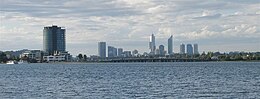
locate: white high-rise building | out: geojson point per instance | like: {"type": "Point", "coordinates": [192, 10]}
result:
{"type": "Point", "coordinates": [170, 45]}
{"type": "Point", "coordinates": [152, 46]}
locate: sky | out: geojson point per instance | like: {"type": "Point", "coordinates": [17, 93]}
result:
{"type": "Point", "coordinates": [215, 25]}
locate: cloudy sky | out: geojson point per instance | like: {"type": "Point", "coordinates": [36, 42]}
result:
{"type": "Point", "coordinates": [216, 25]}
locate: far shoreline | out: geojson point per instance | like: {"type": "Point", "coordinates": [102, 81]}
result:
{"type": "Point", "coordinates": [137, 62]}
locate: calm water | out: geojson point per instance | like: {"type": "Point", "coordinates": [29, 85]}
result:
{"type": "Point", "coordinates": [131, 80]}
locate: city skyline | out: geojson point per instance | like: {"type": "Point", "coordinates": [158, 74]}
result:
{"type": "Point", "coordinates": [215, 25]}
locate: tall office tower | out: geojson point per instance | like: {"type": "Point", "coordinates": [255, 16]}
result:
{"type": "Point", "coordinates": [189, 49]}
{"type": "Point", "coordinates": [120, 52]}
{"type": "Point", "coordinates": [102, 49]}
{"type": "Point", "coordinates": [170, 45]}
{"type": "Point", "coordinates": [152, 46]}
{"type": "Point", "coordinates": [182, 49]}
{"type": "Point", "coordinates": [54, 40]}
{"type": "Point", "coordinates": [161, 50]}
{"type": "Point", "coordinates": [196, 49]}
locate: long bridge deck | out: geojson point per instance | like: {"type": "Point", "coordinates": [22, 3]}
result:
{"type": "Point", "coordinates": [152, 60]}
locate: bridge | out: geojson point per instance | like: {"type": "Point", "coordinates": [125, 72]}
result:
{"type": "Point", "coordinates": [118, 60]}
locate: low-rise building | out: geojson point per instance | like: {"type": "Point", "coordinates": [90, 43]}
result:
{"type": "Point", "coordinates": [32, 55]}
{"type": "Point", "coordinates": [54, 58]}
{"type": "Point", "coordinates": [58, 57]}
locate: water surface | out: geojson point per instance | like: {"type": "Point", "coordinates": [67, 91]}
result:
{"type": "Point", "coordinates": [131, 80]}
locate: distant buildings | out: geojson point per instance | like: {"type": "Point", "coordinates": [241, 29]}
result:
{"type": "Point", "coordinates": [154, 51]}
{"type": "Point", "coordinates": [161, 50]}
{"type": "Point", "coordinates": [170, 45]}
{"type": "Point", "coordinates": [195, 49]}
{"type": "Point", "coordinates": [102, 49]}
{"type": "Point", "coordinates": [182, 49]}
{"type": "Point", "coordinates": [112, 52]}
{"type": "Point", "coordinates": [135, 52]}
{"type": "Point", "coordinates": [127, 54]}
{"type": "Point", "coordinates": [152, 46]}
{"type": "Point", "coordinates": [54, 40]}
{"type": "Point", "coordinates": [189, 49]}
{"type": "Point", "coordinates": [32, 55]}
{"type": "Point", "coordinates": [120, 52]}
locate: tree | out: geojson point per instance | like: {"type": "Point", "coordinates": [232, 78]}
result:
{"type": "Point", "coordinates": [3, 58]}
{"type": "Point", "coordinates": [238, 58]}
{"type": "Point", "coordinates": [80, 56]}
{"type": "Point", "coordinates": [25, 58]}
{"type": "Point", "coordinates": [227, 58]}
{"type": "Point", "coordinates": [85, 57]}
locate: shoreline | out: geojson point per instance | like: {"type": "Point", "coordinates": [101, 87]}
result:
{"type": "Point", "coordinates": [137, 62]}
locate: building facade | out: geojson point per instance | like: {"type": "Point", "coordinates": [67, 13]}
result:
{"type": "Point", "coordinates": [161, 50]}
{"type": "Point", "coordinates": [189, 49]}
{"type": "Point", "coordinates": [54, 40]}
{"type": "Point", "coordinates": [102, 49]}
{"type": "Point", "coordinates": [196, 49]}
{"type": "Point", "coordinates": [182, 49]}
{"type": "Point", "coordinates": [120, 52]}
{"type": "Point", "coordinates": [152, 45]}
{"type": "Point", "coordinates": [112, 52]}
{"type": "Point", "coordinates": [127, 54]}
{"type": "Point", "coordinates": [32, 55]}
{"type": "Point", "coordinates": [170, 45]}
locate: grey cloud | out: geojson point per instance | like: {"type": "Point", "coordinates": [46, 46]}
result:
{"type": "Point", "coordinates": [242, 1]}
{"type": "Point", "coordinates": [209, 17]}
{"type": "Point", "coordinates": [133, 20]}
{"type": "Point", "coordinates": [84, 8]}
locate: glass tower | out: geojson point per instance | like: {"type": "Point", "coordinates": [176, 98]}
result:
{"type": "Point", "coordinates": [189, 49]}
{"type": "Point", "coordinates": [54, 40]}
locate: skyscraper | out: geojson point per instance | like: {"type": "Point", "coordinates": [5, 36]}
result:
{"type": "Point", "coordinates": [102, 49]}
{"type": "Point", "coordinates": [54, 40]}
{"type": "Point", "coordinates": [170, 45]}
{"type": "Point", "coordinates": [196, 49]}
{"type": "Point", "coordinates": [189, 49]}
{"type": "Point", "coordinates": [182, 49]}
{"type": "Point", "coordinates": [152, 46]}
